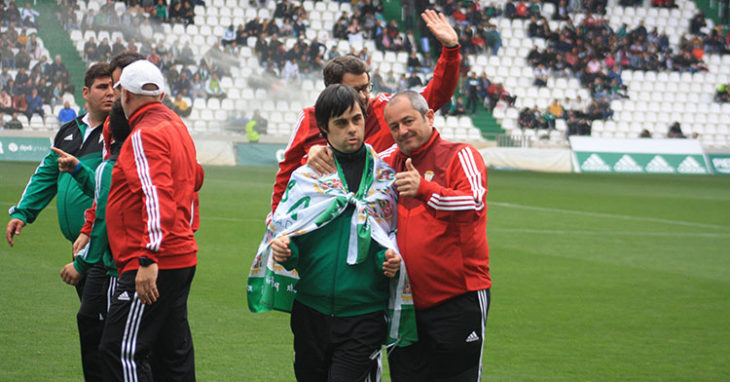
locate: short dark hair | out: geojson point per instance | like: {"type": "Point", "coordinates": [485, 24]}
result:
{"type": "Point", "coordinates": [118, 122]}
{"type": "Point", "coordinates": [123, 59]}
{"type": "Point", "coordinates": [98, 70]}
{"type": "Point", "coordinates": [337, 67]}
{"type": "Point", "coordinates": [333, 101]}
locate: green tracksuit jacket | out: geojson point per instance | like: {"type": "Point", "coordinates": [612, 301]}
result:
{"type": "Point", "coordinates": [98, 249]}
{"type": "Point", "coordinates": [74, 196]}
{"type": "Point", "coordinates": [326, 282]}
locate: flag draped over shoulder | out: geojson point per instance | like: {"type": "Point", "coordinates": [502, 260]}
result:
{"type": "Point", "coordinates": [312, 201]}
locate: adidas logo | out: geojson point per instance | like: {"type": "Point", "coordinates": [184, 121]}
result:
{"type": "Point", "coordinates": [659, 165]}
{"type": "Point", "coordinates": [627, 164]}
{"type": "Point", "coordinates": [124, 296]}
{"type": "Point", "coordinates": [69, 137]}
{"type": "Point", "coordinates": [691, 166]}
{"type": "Point", "coordinates": [595, 163]}
{"type": "Point", "coordinates": [472, 337]}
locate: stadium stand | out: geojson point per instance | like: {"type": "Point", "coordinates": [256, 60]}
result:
{"type": "Point", "coordinates": [254, 49]}
{"type": "Point", "coordinates": [31, 85]}
{"type": "Point", "coordinates": [668, 96]}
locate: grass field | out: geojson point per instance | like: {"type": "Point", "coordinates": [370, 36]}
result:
{"type": "Point", "coordinates": [596, 278]}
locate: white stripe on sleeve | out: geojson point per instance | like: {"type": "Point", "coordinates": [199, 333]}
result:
{"type": "Point", "coordinates": [150, 191]}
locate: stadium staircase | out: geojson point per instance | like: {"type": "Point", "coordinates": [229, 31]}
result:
{"type": "Point", "coordinates": [57, 42]}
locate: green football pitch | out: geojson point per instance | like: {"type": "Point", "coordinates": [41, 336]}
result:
{"type": "Point", "coordinates": [596, 278]}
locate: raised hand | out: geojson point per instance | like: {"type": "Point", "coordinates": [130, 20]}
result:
{"type": "Point", "coordinates": [407, 182]}
{"type": "Point", "coordinates": [440, 28]}
{"type": "Point", "coordinates": [66, 162]}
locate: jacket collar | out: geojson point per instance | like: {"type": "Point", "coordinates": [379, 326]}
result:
{"type": "Point", "coordinates": [417, 152]}
{"type": "Point", "coordinates": [137, 115]}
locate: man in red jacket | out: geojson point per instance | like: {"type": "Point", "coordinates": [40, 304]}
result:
{"type": "Point", "coordinates": [352, 71]}
{"type": "Point", "coordinates": [442, 223]}
{"type": "Point", "coordinates": [150, 228]}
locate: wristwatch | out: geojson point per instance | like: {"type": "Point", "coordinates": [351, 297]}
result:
{"type": "Point", "coordinates": [145, 261]}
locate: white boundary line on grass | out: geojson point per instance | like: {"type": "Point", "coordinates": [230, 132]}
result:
{"type": "Point", "coordinates": [604, 215]}
{"type": "Point", "coordinates": [608, 233]}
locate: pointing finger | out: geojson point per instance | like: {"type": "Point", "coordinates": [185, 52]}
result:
{"type": "Point", "coordinates": [60, 152]}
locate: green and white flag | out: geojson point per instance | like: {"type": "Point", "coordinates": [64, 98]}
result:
{"type": "Point", "coordinates": [312, 201]}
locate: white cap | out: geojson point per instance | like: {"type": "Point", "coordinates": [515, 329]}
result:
{"type": "Point", "coordinates": [138, 74]}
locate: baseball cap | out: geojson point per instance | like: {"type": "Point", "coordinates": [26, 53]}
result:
{"type": "Point", "coordinates": [140, 73]}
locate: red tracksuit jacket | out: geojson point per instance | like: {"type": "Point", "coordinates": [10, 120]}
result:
{"type": "Point", "coordinates": [151, 200]}
{"type": "Point", "coordinates": [377, 133]}
{"type": "Point", "coordinates": [442, 232]}
{"type": "Point", "coordinates": [90, 214]}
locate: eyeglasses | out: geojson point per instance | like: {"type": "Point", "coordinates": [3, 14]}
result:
{"type": "Point", "coordinates": [364, 89]}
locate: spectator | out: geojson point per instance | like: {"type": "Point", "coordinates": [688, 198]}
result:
{"type": "Point", "coordinates": [28, 15]}
{"type": "Point", "coordinates": [556, 109]}
{"type": "Point", "coordinates": [723, 93]}
{"type": "Point", "coordinates": [182, 85]}
{"type": "Point", "coordinates": [290, 73]}
{"type": "Point", "coordinates": [67, 113]}
{"type": "Point", "coordinates": [414, 81]}
{"type": "Point", "coordinates": [22, 58]}
{"type": "Point", "coordinates": [229, 37]}
{"type": "Point", "coordinates": [14, 123]}
{"type": "Point", "coordinates": [458, 108]}
{"type": "Point", "coordinates": [213, 88]}
{"type": "Point", "coordinates": [90, 50]}
{"type": "Point", "coordinates": [675, 131]}
{"type": "Point", "coordinates": [104, 50]}
{"type": "Point", "coordinates": [161, 13]}
{"type": "Point", "coordinates": [35, 105]}
{"type": "Point", "coordinates": [526, 119]}
{"type": "Point", "coordinates": [197, 87]}
{"type": "Point", "coordinates": [5, 76]}
{"type": "Point", "coordinates": [510, 11]}
{"type": "Point", "coordinates": [541, 76]}
{"type": "Point", "coordinates": [7, 55]}
{"type": "Point", "coordinates": [645, 134]}
{"type": "Point", "coordinates": [6, 102]}
{"type": "Point", "coordinates": [262, 123]}
{"type": "Point", "coordinates": [562, 12]}
{"type": "Point", "coordinates": [20, 103]}
{"type": "Point", "coordinates": [472, 92]}
{"type": "Point", "coordinates": [118, 47]}
{"type": "Point", "coordinates": [180, 107]}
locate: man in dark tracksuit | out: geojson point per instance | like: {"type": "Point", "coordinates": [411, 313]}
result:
{"type": "Point", "coordinates": [81, 138]}
{"type": "Point", "coordinates": [95, 260]}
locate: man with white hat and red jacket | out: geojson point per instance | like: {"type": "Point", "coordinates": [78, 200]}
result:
{"type": "Point", "coordinates": [150, 227]}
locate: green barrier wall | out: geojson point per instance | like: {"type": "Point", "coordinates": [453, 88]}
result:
{"type": "Point", "coordinates": [23, 149]}
{"type": "Point", "coordinates": [258, 154]}
{"type": "Point", "coordinates": [642, 163]}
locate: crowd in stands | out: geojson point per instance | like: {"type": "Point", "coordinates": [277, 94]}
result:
{"type": "Point", "coordinates": [186, 76]}
{"type": "Point", "coordinates": [140, 15]}
{"type": "Point", "coordinates": [28, 80]}
{"type": "Point", "coordinates": [596, 54]}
